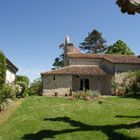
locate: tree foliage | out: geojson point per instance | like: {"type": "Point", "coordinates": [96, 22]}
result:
{"type": "Point", "coordinates": [94, 43]}
{"type": "Point", "coordinates": [24, 88]}
{"type": "Point", "coordinates": [59, 61]}
{"type": "Point", "coordinates": [129, 6]}
{"type": "Point", "coordinates": [2, 70]}
{"type": "Point", "coordinates": [36, 87]}
{"type": "Point", "coordinates": [22, 78]}
{"type": "Point", "coordinates": [119, 47]}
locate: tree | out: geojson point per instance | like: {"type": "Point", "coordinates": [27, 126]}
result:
{"type": "Point", "coordinates": [22, 78]}
{"type": "Point", "coordinates": [94, 43]}
{"type": "Point", "coordinates": [129, 6]}
{"type": "Point", "coordinates": [36, 87]}
{"type": "Point", "coordinates": [119, 47]}
{"type": "Point", "coordinates": [2, 70]}
{"type": "Point", "coordinates": [59, 61]}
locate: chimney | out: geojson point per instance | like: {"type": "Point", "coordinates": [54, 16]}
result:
{"type": "Point", "coordinates": [67, 42]}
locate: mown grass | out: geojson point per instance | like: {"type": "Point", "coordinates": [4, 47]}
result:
{"type": "Point", "coordinates": [40, 118]}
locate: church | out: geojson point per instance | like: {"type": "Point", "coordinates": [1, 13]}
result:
{"type": "Point", "coordinates": [86, 71]}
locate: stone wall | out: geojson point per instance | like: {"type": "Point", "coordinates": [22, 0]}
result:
{"type": "Point", "coordinates": [57, 84]}
{"type": "Point", "coordinates": [56, 92]}
{"type": "Point", "coordinates": [99, 83]}
{"type": "Point", "coordinates": [74, 61]}
{"type": "Point", "coordinates": [107, 66]}
{"type": "Point", "coordinates": [126, 67]}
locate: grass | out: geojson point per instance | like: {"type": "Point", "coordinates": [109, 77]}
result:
{"type": "Point", "coordinates": [40, 118]}
{"type": "Point", "coordinates": [9, 110]}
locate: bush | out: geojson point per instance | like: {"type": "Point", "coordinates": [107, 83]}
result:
{"type": "Point", "coordinates": [129, 85]}
{"type": "Point", "coordinates": [36, 87]}
{"type": "Point", "coordinates": [22, 78]}
{"type": "Point", "coordinates": [24, 91]}
{"type": "Point", "coordinates": [94, 93]}
{"type": "Point", "coordinates": [8, 92]}
{"type": "Point", "coordinates": [134, 84]}
{"type": "Point", "coordinates": [86, 95]}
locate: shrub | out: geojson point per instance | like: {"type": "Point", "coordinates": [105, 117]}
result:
{"type": "Point", "coordinates": [8, 92]}
{"type": "Point", "coordinates": [1, 97]}
{"type": "Point", "coordinates": [134, 84]}
{"type": "Point", "coordinates": [86, 95]}
{"type": "Point", "coordinates": [23, 92]}
{"type": "Point", "coordinates": [94, 93]}
{"type": "Point", "coordinates": [129, 85]}
{"type": "Point", "coordinates": [70, 92]}
{"type": "Point", "coordinates": [22, 78]}
{"type": "Point", "coordinates": [36, 87]}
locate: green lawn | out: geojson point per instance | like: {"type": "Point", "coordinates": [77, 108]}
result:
{"type": "Point", "coordinates": [57, 118]}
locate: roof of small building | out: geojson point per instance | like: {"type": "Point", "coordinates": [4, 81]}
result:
{"type": "Point", "coordinates": [11, 65]}
{"type": "Point", "coordinates": [77, 70]}
{"type": "Point", "coordinates": [124, 59]}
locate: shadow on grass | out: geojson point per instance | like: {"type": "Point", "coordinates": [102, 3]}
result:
{"type": "Point", "coordinates": [122, 116]}
{"type": "Point", "coordinates": [108, 130]}
{"type": "Point", "coordinates": [135, 96]}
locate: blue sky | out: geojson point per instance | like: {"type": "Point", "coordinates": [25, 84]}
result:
{"type": "Point", "coordinates": [32, 30]}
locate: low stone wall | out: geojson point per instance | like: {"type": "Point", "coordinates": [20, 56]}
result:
{"type": "Point", "coordinates": [56, 92]}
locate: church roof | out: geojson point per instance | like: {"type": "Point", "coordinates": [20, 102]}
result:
{"type": "Point", "coordinates": [124, 59]}
{"type": "Point", "coordinates": [76, 70]}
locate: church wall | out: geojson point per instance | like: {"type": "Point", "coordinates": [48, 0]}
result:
{"type": "Point", "coordinates": [107, 66]}
{"type": "Point", "coordinates": [126, 67]}
{"type": "Point", "coordinates": [57, 84]}
{"type": "Point", "coordinates": [101, 84]}
{"type": "Point", "coordinates": [73, 61]}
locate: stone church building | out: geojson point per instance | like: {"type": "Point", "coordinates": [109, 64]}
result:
{"type": "Point", "coordinates": [86, 71]}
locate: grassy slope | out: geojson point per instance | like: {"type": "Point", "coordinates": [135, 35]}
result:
{"type": "Point", "coordinates": [58, 118]}
{"type": "Point", "coordinates": [9, 110]}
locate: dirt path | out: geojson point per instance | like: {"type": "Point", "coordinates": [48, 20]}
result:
{"type": "Point", "coordinates": [9, 110]}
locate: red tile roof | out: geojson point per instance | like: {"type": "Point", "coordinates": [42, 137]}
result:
{"type": "Point", "coordinates": [124, 59]}
{"type": "Point", "coordinates": [77, 70]}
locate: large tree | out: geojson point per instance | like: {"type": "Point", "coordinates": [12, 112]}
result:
{"type": "Point", "coordinates": [94, 43]}
{"type": "Point", "coordinates": [59, 61]}
{"type": "Point", "coordinates": [119, 47]}
{"type": "Point", "coordinates": [2, 70]}
{"type": "Point", "coordinates": [129, 6]}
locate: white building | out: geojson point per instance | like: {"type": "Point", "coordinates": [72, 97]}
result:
{"type": "Point", "coordinates": [10, 72]}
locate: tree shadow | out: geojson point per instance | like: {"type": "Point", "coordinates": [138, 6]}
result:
{"type": "Point", "coordinates": [122, 116]}
{"type": "Point", "coordinates": [108, 130]}
{"type": "Point", "coordinates": [135, 96]}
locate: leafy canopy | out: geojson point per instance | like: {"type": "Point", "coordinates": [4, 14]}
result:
{"type": "Point", "coordinates": [59, 61]}
{"type": "Point", "coordinates": [94, 43]}
{"type": "Point", "coordinates": [119, 47]}
{"type": "Point", "coordinates": [36, 87]}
